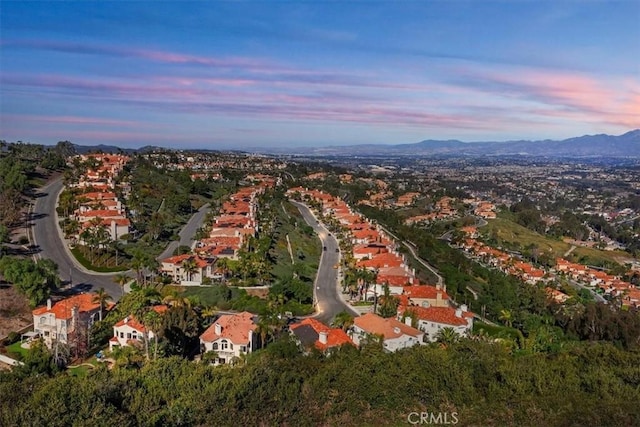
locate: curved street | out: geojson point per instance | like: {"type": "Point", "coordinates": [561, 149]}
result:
{"type": "Point", "coordinates": [326, 292]}
{"type": "Point", "coordinates": [49, 243]}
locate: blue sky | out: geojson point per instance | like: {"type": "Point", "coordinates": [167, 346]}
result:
{"type": "Point", "coordinates": [307, 73]}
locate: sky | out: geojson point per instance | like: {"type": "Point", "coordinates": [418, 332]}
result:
{"type": "Point", "coordinates": [242, 74]}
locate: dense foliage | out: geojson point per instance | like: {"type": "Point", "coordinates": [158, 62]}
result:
{"type": "Point", "coordinates": [480, 381]}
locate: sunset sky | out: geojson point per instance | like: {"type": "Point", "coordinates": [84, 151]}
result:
{"type": "Point", "coordinates": [311, 73]}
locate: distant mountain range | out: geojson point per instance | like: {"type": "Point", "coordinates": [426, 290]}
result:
{"type": "Point", "coordinates": [626, 145]}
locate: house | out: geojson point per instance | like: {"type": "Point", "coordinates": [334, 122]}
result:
{"type": "Point", "coordinates": [433, 319]}
{"type": "Point", "coordinates": [311, 333]}
{"type": "Point", "coordinates": [231, 336]}
{"type": "Point", "coordinates": [188, 269]}
{"type": "Point", "coordinates": [60, 321]}
{"type": "Point", "coordinates": [427, 296]}
{"type": "Point", "coordinates": [395, 334]}
{"type": "Point", "coordinates": [131, 331]}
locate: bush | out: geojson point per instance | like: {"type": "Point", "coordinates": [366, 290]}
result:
{"type": "Point", "coordinates": [11, 338]}
{"type": "Point", "coordinates": [23, 240]}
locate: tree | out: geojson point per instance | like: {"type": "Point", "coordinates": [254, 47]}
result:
{"type": "Point", "coordinates": [101, 297]}
{"type": "Point", "coordinates": [506, 317]}
{"type": "Point", "coordinates": [33, 280]}
{"type": "Point", "coordinates": [388, 304]}
{"type": "Point", "coordinates": [189, 266]}
{"type": "Point", "coordinates": [121, 279]}
{"type": "Point", "coordinates": [343, 320]}
{"type": "Point", "coordinates": [447, 336]}
{"type": "Point", "coordinates": [153, 320]}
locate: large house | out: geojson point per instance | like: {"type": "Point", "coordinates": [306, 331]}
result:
{"type": "Point", "coordinates": [188, 269]}
{"type": "Point", "coordinates": [311, 333]}
{"type": "Point", "coordinates": [431, 319]}
{"type": "Point", "coordinates": [60, 321]}
{"type": "Point", "coordinates": [130, 330]}
{"type": "Point", "coordinates": [231, 336]}
{"type": "Point", "coordinates": [395, 334]}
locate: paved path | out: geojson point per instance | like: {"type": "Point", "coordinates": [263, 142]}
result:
{"type": "Point", "coordinates": [412, 249]}
{"type": "Point", "coordinates": [187, 232]}
{"type": "Point", "coordinates": [326, 292]}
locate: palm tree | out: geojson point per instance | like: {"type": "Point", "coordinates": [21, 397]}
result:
{"type": "Point", "coordinates": [342, 320]}
{"type": "Point", "coordinates": [189, 266]}
{"type": "Point", "coordinates": [121, 279]}
{"type": "Point", "coordinates": [447, 336]}
{"type": "Point", "coordinates": [153, 320]}
{"type": "Point", "coordinates": [101, 298]}
{"type": "Point", "coordinates": [209, 312]}
{"type": "Point", "coordinates": [507, 317]}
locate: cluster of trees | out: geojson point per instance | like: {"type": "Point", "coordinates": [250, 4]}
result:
{"type": "Point", "coordinates": [480, 381]}
{"type": "Point", "coordinates": [19, 163]}
{"type": "Point", "coordinates": [33, 279]}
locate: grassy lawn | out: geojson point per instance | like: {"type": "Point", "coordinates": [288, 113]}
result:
{"type": "Point", "coordinates": [593, 256]}
{"type": "Point", "coordinates": [15, 348]}
{"type": "Point", "coordinates": [305, 246]}
{"type": "Point", "coordinates": [496, 331]}
{"type": "Point", "coordinates": [514, 236]}
{"type": "Point", "coordinates": [78, 252]}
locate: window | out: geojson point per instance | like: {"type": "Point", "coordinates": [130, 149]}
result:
{"type": "Point", "coordinates": [243, 348]}
{"type": "Point", "coordinates": [224, 344]}
{"type": "Point", "coordinates": [128, 335]}
{"type": "Point", "coordinates": [231, 346]}
{"type": "Point", "coordinates": [215, 345]}
{"type": "Point", "coordinates": [121, 334]}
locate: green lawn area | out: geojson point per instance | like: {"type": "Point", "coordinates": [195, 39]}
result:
{"type": "Point", "coordinates": [16, 348]}
{"type": "Point", "coordinates": [509, 234]}
{"type": "Point", "coordinates": [496, 331]}
{"type": "Point", "coordinates": [305, 246]}
{"type": "Point", "coordinates": [78, 253]}
{"type": "Point", "coordinates": [514, 236]}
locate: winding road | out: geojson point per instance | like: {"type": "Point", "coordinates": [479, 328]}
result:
{"type": "Point", "coordinates": [48, 239]}
{"type": "Point", "coordinates": [49, 242]}
{"type": "Point", "coordinates": [326, 292]}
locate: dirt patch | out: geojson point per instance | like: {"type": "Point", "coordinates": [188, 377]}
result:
{"type": "Point", "coordinates": [258, 292]}
{"type": "Point", "coordinates": [15, 313]}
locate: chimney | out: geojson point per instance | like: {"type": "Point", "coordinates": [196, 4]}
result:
{"type": "Point", "coordinates": [438, 297]}
{"type": "Point", "coordinates": [322, 337]}
{"type": "Point", "coordinates": [126, 319]}
{"type": "Point", "coordinates": [458, 312]}
{"type": "Point", "coordinates": [438, 286]}
{"type": "Point", "coordinates": [49, 304]}
{"type": "Point", "coordinates": [464, 308]}
{"type": "Point", "coordinates": [407, 320]}
{"type": "Point", "coordinates": [218, 329]}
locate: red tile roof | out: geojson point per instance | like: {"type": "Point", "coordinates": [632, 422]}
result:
{"type": "Point", "coordinates": [62, 309]}
{"type": "Point", "coordinates": [388, 328]}
{"type": "Point", "coordinates": [443, 315]}
{"type": "Point", "coordinates": [335, 336]}
{"type": "Point", "coordinates": [235, 328]}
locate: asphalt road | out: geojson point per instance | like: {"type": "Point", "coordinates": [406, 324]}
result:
{"type": "Point", "coordinates": [50, 244]}
{"type": "Point", "coordinates": [187, 232]}
{"type": "Point", "coordinates": [328, 301]}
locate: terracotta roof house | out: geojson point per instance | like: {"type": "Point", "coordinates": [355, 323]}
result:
{"type": "Point", "coordinates": [188, 269]}
{"type": "Point", "coordinates": [395, 334]}
{"type": "Point", "coordinates": [231, 336]}
{"type": "Point", "coordinates": [59, 321]}
{"type": "Point", "coordinates": [131, 331]}
{"type": "Point", "coordinates": [433, 319]}
{"type": "Point", "coordinates": [312, 333]}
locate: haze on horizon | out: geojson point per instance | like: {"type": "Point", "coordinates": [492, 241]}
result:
{"type": "Point", "coordinates": [248, 74]}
